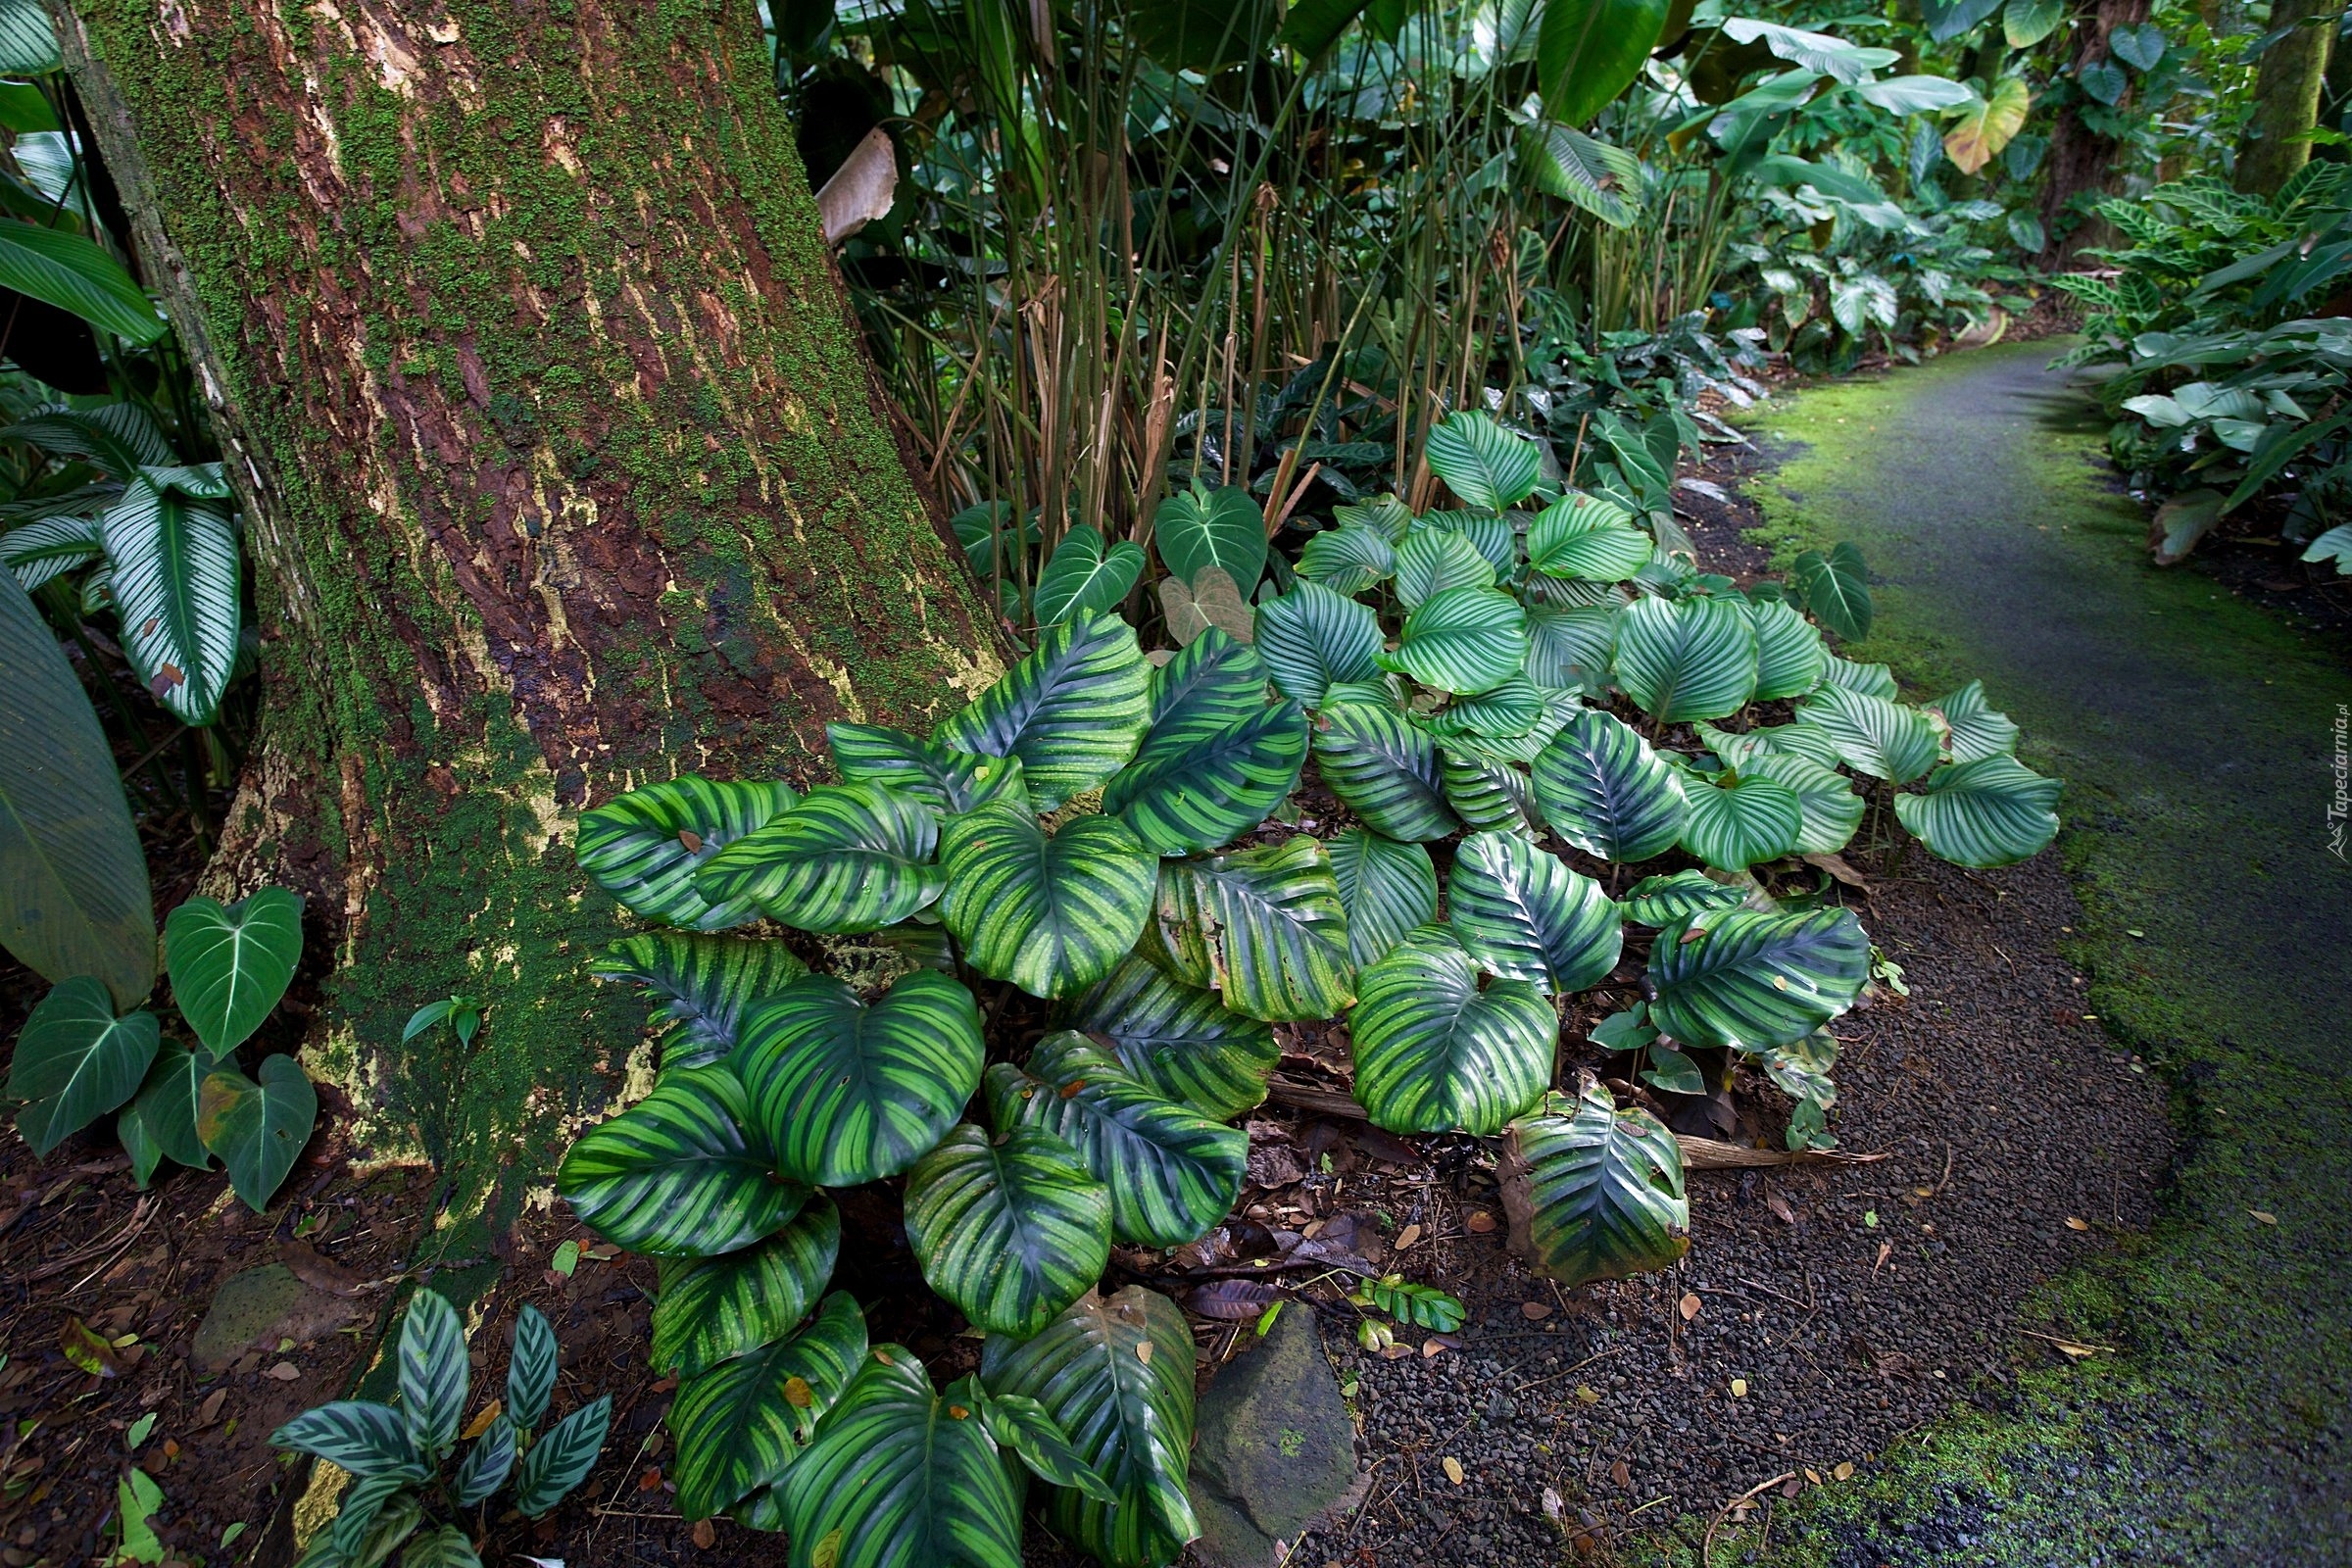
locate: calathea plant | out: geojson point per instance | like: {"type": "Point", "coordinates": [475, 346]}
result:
{"type": "Point", "coordinates": [402, 1490]}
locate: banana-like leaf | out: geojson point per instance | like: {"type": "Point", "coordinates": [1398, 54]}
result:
{"type": "Point", "coordinates": [1827, 805]}
{"type": "Point", "coordinates": [1085, 576]}
{"type": "Point", "coordinates": [1312, 639]}
{"type": "Point", "coordinates": [1180, 1041]}
{"type": "Point", "coordinates": [1488, 792]}
{"type": "Point", "coordinates": [230, 965]}
{"type": "Point", "coordinates": [1012, 1230]}
{"type": "Point", "coordinates": [1872, 680]}
{"type": "Point", "coordinates": [176, 590]}
{"type": "Point", "coordinates": [1072, 711]}
{"type": "Point", "coordinates": [1172, 1172]}
{"type": "Point", "coordinates": [1264, 927]}
{"type": "Point", "coordinates": [1523, 914]}
{"type": "Point", "coordinates": [1687, 659]}
{"type": "Point", "coordinates": [256, 1128]}
{"type": "Point", "coordinates": [700, 985]}
{"type": "Point", "coordinates": [1834, 589]}
{"type": "Point", "coordinates": [739, 1424]}
{"type": "Point", "coordinates": [1872, 735]}
{"type": "Point", "coordinates": [1433, 1053]}
{"type": "Point", "coordinates": [677, 1175]}
{"type": "Point", "coordinates": [1586, 537]}
{"type": "Point", "coordinates": [1603, 790]}
{"type": "Point", "coordinates": [166, 1104]}
{"type": "Point", "coordinates": [1589, 51]}
{"type": "Point", "coordinates": [1660, 900]}
{"type": "Point", "coordinates": [714, 1308]}
{"type": "Point", "coordinates": [1750, 981]}
{"type": "Point", "coordinates": [1116, 1375]}
{"type": "Point", "coordinates": [1187, 792]}
{"type": "Point", "coordinates": [645, 847]}
{"type": "Point", "coordinates": [1387, 888]}
{"type": "Point", "coordinates": [1572, 648]}
{"type": "Point", "coordinates": [1486, 465]}
{"type": "Point", "coordinates": [848, 858]}
{"type": "Point", "coordinates": [1434, 559]}
{"type": "Point", "coordinates": [75, 1061]}
{"type": "Point", "coordinates": [1584, 170]}
{"type": "Point", "coordinates": [945, 781]}
{"type": "Point", "coordinates": [1789, 653]}
{"type": "Point", "coordinates": [1053, 916]}
{"type": "Point", "coordinates": [846, 1092]}
{"type": "Point", "coordinates": [1974, 730]}
{"type": "Point", "coordinates": [434, 1371]}
{"type": "Point", "coordinates": [1594, 1192]}
{"type": "Point", "coordinates": [1346, 561]}
{"type": "Point", "coordinates": [1462, 640]}
{"type": "Point", "coordinates": [1735, 825]}
{"type": "Point", "coordinates": [77, 275]}
{"type": "Point", "coordinates": [1223, 528]}
{"type": "Point", "coordinates": [1384, 769]}
{"type": "Point", "coordinates": [1993, 811]}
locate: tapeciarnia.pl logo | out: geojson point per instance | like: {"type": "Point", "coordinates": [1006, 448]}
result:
{"type": "Point", "coordinates": [2341, 806]}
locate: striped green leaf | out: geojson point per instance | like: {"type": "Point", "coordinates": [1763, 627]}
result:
{"type": "Point", "coordinates": [1502, 712]}
{"type": "Point", "coordinates": [231, 963]}
{"type": "Point", "coordinates": [739, 1424]}
{"type": "Point", "coordinates": [370, 1500]}
{"type": "Point", "coordinates": [1387, 888]}
{"type": "Point", "coordinates": [1993, 811]}
{"type": "Point", "coordinates": [1603, 790]}
{"type": "Point", "coordinates": [846, 1093]}
{"type": "Point", "coordinates": [1072, 711]}
{"type": "Point", "coordinates": [531, 1368]}
{"type": "Point", "coordinates": [1434, 559]}
{"type": "Point", "coordinates": [77, 275]}
{"type": "Point", "coordinates": [700, 985]}
{"type": "Point", "coordinates": [1054, 914]}
{"type": "Point", "coordinates": [28, 42]}
{"type": "Point", "coordinates": [1346, 561]}
{"type": "Point", "coordinates": [945, 781]}
{"type": "Point", "coordinates": [848, 858]}
{"type": "Point", "coordinates": [486, 1465]}
{"type": "Point", "coordinates": [1834, 589]}
{"type": "Point", "coordinates": [1312, 639]}
{"type": "Point", "coordinates": [1872, 735]}
{"type": "Point", "coordinates": [257, 1125]}
{"type": "Point", "coordinates": [1799, 739]}
{"type": "Point", "coordinates": [1384, 515]}
{"type": "Point", "coordinates": [41, 549]}
{"type": "Point", "coordinates": [75, 1061]}
{"type": "Point", "coordinates": [1188, 791]}
{"type": "Point", "coordinates": [1384, 769]}
{"type": "Point", "coordinates": [1116, 1375]}
{"type": "Point", "coordinates": [1210, 684]}
{"type": "Point", "coordinates": [1829, 808]}
{"type": "Point", "coordinates": [1180, 1041]}
{"type": "Point", "coordinates": [1750, 980]}
{"type": "Point", "coordinates": [645, 847]}
{"type": "Point", "coordinates": [177, 591]}
{"type": "Point", "coordinates": [1172, 1171]}
{"type": "Point", "coordinates": [1263, 927]}
{"type": "Point", "coordinates": [367, 1438]}
{"type": "Point", "coordinates": [1594, 1192]}
{"type": "Point", "coordinates": [1462, 640]}
{"type": "Point", "coordinates": [1012, 1230]}
{"type": "Point", "coordinates": [1789, 653]}
{"type": "Point", "coordinates": [1435, 1053]}
{"type": "Point", "coordinates": [1660, 900]}
{"type": "Point", "coordinates": [713, 1309]}
{"type": "Point", "coordinates": [439, 1546]}
{"type": "Point", "coordinates": [1735, 825]}
{"type": "Point", "coordinates": [432, 1370]}
{"type": "Point", "coordinates": [1223, 528]}
{"type": "Point", "coordinates": [1488, 792]}
{"type": "Point", "coordinates": [1022, 1424]}
{"type": "Point", "coordinates": [1572, 648]}
{"type": "Point", "coordinates": [118, 439]}
{"type": "Point", "coordinates": [559, 1460]}
{"type": "Point", "coordinates": [1481, 462]}
{"type": "Point", "coordinates": [1523, 914]}
{"type": "Point", "coordinates": [1493, 537]}
{"type": "Point", "coordinates": [1085, 576]}
{"type": "Point", "coordinates": [1687, 659]}
{"type": "Point", "coordinates": [1974, 730]}
{"type": "Point", "coordinates": [1872, 680]}
{"type": "Point", "coordinates": [676, 1175]}
{"type": "Point", "coordinates": [1584, 537]}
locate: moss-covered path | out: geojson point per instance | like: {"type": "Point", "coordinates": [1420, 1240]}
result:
{"type": "Point", "coordinates": [2200, 742]}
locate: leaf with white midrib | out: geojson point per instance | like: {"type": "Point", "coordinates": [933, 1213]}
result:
{"type": "Point", "coordinates": [175, 584]}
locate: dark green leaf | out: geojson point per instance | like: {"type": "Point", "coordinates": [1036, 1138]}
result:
{"type": "Point", "coordinates": [1197, 782]}
{"type": "Point", "coordinates": [1481, 462]}
{"type": "Point", "coordinates": [1348, 560]}
{"type": "Point", "coordinates": [1462, 640]}
{"type": "Point", "coordinates": [75, 1061]}
{"type": "Point", "coordinates": [945, 781]}
{"type": "Point", "coordinates": [1434, 559]}
{"type": "Point", "coordinates": [1072, 711]}
{"type": "Point", "coordinates": [1687, 659]}
{"type": "Point", "coordinates": [364, 1437]}
{"type": "Point", "coordinates": [849, 858]}
{"type": "Point", "coordinates": [1488, 792]}
{"type": "Point", "coordinates": [1594, 1192]}
{"type": "Point", "coordinates": [1010, 1230]}
{"type": "Point", "coordinates": [1660, 900]}
{"type": "Point", "coordinates": [1834, 589]}
{"type": "Point", "coordinates": [1312, 639]}
{"type": "Point", "coordinates": [434, 1371]}
{"type": "Point", "coordinates": [486, 1464]}
{"type": "Point", "coordinates": [258, 1129]}
{"type": "Point", "coordinates": [1053, 916]}
{"type": "Point", "coordinates": [1991, 811]}
{"type": "Point", "coordinates": [1734, 826]}
{"type": "Point", "coordinates": [702, 984]}
{"type": "Point", "coordinates": [165, 1105]}
{"type": "Point", "coordinates": [1572, 648]}
{"type": "Point", "coordinates": [1435, 1053]}
{"type": "Point", "coordinates": [78, 276]}
{"type": "Point", "coordinates": [1384, 769]}
{"type": "Point", "coordinates": [231, 965]}
{"type": "Point", "coordinates": [1829, 810]}
{"type": "Point", "coordinates": [711, 1309]}
{"type": "Point", "coordinates": [1085, 576]}
{"type": "Point", "coordinates": [1523, 914]}
{"type": "Point", "coordinates": [1022, 1424]}
{"type": "Point", "coordinates": [739, 1424]}
{"type": "Point", "coordinates": [1872, 735]}
{"type": "Point", "coordinates": [561, 1458]}
{"type": "Point", "coordinates": [1602, 789]}
{"type": "Point", "coordinates": [1263, 927]}
{"type": "Point", "coordinates": [1180, 1041]}
{"type": "Point", "coordinates": [1586, 537]}
{"type": "Point", "coordinates": [531, 1369]}
{"type": "Point", "coordinates": [1222, 528]}
{"type": "Point", "coordinates": [175, 587]}
{"type": "Point", "coordinates": [1387, 888]}
{"type": "Point", "coordinates": [1590, 51]}
{"type": "Point", "coordinates": [1751, 980]}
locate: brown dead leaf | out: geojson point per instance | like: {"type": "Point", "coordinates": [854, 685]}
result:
{"type": "Point", "coordinates": [1393, 1352]}
{"type": "Point", "coordinates": [1739, 1388]}
{"type": "Point", "coordinates": [2074, 1224]}
{"type": "Point", "coordinates": [1885, 1252]}
{"type": "Point", "coordinates": [284, 1372]}
{"type": "Point", "coordinates": [649, 1479]}
{"type": "Point", "coordinates": [1689, 1306]}
{"type": "Point", "coordinates": [1586, 1393]}
{"type": "Point", "coordinates": [1813, 1476]}
{"type": "Point", "coordinates": [1792, 1487]}
{"type": "Point", "coordinates": [210, 1412]}
{"type": "Point", "coordinates": [691, 840]}
{"type": "Point", "coordinates": [1534, 1311]}
{"type": "Point", "coordinates": [706, 1534]}
{"type": "Point", "coordinates": [797, 1393]}
{"type": "Point", "coordinates": [1780, 1210]}
{"type": "Point", "coordinates": [1407, 1237]}
{"type": "Point", "coordinates": [2263, 1216]}
{"type": "Point", "coordinates": [1477, 1222]}
{"type": "Point", "coordinates": [864, 188]}
{"type": "Point", "coordinates": [482, 1419]}
{"type": "Point", "coordinates": [319, 1273]}
{"type": "Point", "coordinates": [1837, 866]}
{"type": "Point", "coordinates": [88, 1349]}
{"type": "Point", "coordinates": [1845, 1470]}
{"type": "Point", "coordinates": [1622, 1473]}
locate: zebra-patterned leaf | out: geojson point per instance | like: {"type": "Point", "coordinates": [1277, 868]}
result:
{"type": "Point", "coordinates": [1053, 916]}
{"type": "Point", "coordinates": [39, 550]}
{"type": "Point", "coordinates": [1493, 537]}
{"type": "Point", "coordinates": [1172, 1171]}
{"type": "Point", "coordinates": [676, 1175]}
{"type": "Point", "coordinates": [945, 781]}
{"type": "Point", "coordinates": [1348, 560]}
{"type": "Point", "coordinates": [561, 1458]}
{"type": "Point", "coordinates": [848, 858]}
{"type": "Point", "coordinates": [1012, 1231]}
{"type": "Point", "coordinates": [1387, 887]}
{"type": "Point", "coordinates": [1488, 792]}
{"type": "Point", "coordinates": [847, 1093]}
{"type": "Point", "coordinates": [1584, 537]}
{"type": "Point", "coordinates": [1594, 1192]}
{"type": "Point", "coordinates": [1462, 640]}
{"type": "Point", "coordinates": [1187, 792]}
{"type": "Point", "coordinates": [1975, 731]}
{"type": "Point", "coordinates": [1687, 659]}
{"type": "Point", "coordinates": [700, 985]}
{"type": "Point", "coordinates": [1660, 900]}
{"type": "Point", "coordinates": [367, 1499]}
{"type": "Point", "coordinates": [1072, 711]}
{"type": "Point", "coordinates": [645, 847]}
{"type": "Point", "coordinates": [1180, 1041]}
{"type": "Point", "coordinates": [1384, 769]}
{"type": "Point", "coordinates": [1312, 639]}
{"type": "Point", "coordinates": [1872, 735]}
{"type": "Point", "coordinates": [531, 1369]}
{"type": "Point", "coordinates": [1486, 465]}
{"type": "Point", "coordinates": [739, 1424]}
{"type": "Point", "coordinates": [1523, 914]}
{"type": "Point", "coordinates": [176, 591]}
{"type": "Point", "coordinates": [1263, 927]}
{"type": "Point", "coordinates": [434, 1371]}
{"type": "Point", "coordinates": [1750, 980]}
{"type": "Point", "coordinates": [1504, 713]}
{"type": "Point", "coordinates": [1993, 811]}
{"type": "Point", "coordinates": [1116, 1375]}
{"type": "Point", "coordinates": [1572, 648]}
{"type": "Point", "coordinates": [486, 1465]}
{"type": "Point", "coordinates": [711, 1309]}
{"type": "Point", "coordinates": [1734, 826]}
{"type": "Point", "coordinates": [365, 1438]}
{"type": "Point", "coordinates": [1789, 653]}
{"type": "Point", "coordinates": [1434, 559]}
{"type": "Point", "coordinates": [1828, 807]}
{"type": "Point", "coordinates": [1085, 576]}
{"type": "Point", "coordinates": [1435, 1053]}
{"type": "Point", "coordinates": [1602, 789]}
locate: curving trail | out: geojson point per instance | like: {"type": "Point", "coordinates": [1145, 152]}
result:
{"type": "Point", "coordinates": [2197, 738]}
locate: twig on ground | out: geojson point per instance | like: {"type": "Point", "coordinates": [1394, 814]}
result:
{"type": "Point", "coordinates": [1706, 1545]}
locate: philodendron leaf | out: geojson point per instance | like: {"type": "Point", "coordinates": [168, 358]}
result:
{"type": "Point", "coordinates": [645, 847]}
{"type": "Point", "coordinates": [561, 1458]}
{"type": "Point", "coordinates": [1603, 790]}
{"type": "Point", "coordinates": [1209, 603]}
{"type": "Point", "coordinates": [1789, 653]}
{"type": "Point", "coordinates": [1116, 1376]}
{"type": "Point", "coordinates": [1584, 537]}
{"type": "Point", "coordinates": [1012, 1230]}
{"type": "Point", "coordinates": [945, 781]}
{"type": "Point", "coordinates": [229, 965]}
{"type": "Point", "coordinates": [677, 1175]}
{"type": "Point", "coordinates": [1387, 888]}
{"type": "Point", "coordinates": [848, 858]}
{"type": "Point", "coordinates": [740, 1423]}
{"type": "Point", "coordinates": [1974, 730]}
{"type": "Point", "coordinates": [1223, 528]}
{"type": "Point", "coordinates": [700, 985]}
{"type": "Point", "coordinates": [1594, 1192]}
{"type": "Point", "coordinates": [846, 1092]}
{"type": "Point", "coordinates": [1072, 711]}
{"type": "Point", "coordinates": [1384, 769]}
{"type": "Point", "coordinates": [1687, 659]}
{"type": "Point", "coordinates": [1312, 639]}
{"type": "Point", "coordinates": [1085, 576]}
{"type": "Point", "coordinates": [1434, 559]}
{"type": "Point", "coordinates": [1053, 916]}
{"type": "Point", "coordinates": [1481, 462]}
{"type": "Point", "coordinates": [1523, 914]}
{"type": "Point", "coordinates": [1660, 900]}
{"type": "Point", "coordinates": [711, 1309]}
{"type": "Point", "coordinates": [1735, 825]}
{"type": "Point", "coordinates": [1435, 1053]}
{"type": "Point", "coordinates": [1462, 640]}
{"type": "Point", "coordinates": [1828, 809]}
{"type": "Point", "coordinates": [1180, 1041]}
{"type": "Point", "coordinates": [258, 1129]}
{"type": "Point", "coordinates": [1834, 589]}
{"type": "Point", "coordinates": [1263, 928]}
{"type": "Point", "coordinates": [1750, 980]}
{"type": "Point", "coordinates": [434, 1371]}
{"type": "Point", "coordinates": [166, 1102]}
{"type": "Point", "coordinates": [1993, 811]}
{"type": "Point", "coordinates": [75, 1061]}
{"type": "Point", "coordinates": [1872, 735]}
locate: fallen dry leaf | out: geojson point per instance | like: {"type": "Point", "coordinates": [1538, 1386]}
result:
{"type": "Point", "coordinates": [1780, 1210]}
{"type": "Point", "coordinates": [1845, 1470]}
{"type": "Point", "coordinates": [706, 1534]}
{"type": "Point", "coordinates": [1479, 1222]}
{"type": "Point", "coordinates": [1622, 1473]}
{"type": "Point", "coordinates": [1533, 1311]}
{"type": "Point", "coordinates": [1393, 1351]}
{"type": "Point", "coordinates": [1739, 1388]}
{"type": "Point", "coordinates": [1407, 1237]}
{"type": "Point", "coordinates": [482, 1419]}
{"type": "Point", "coordinates": [1588, 1393]}
{"type": "Point", "coordinates": [1689, 1307]}
{"type": "Point", "coordinates": [285, 1372]}
{"type": "Point", "coordinates": [649, 1479]}
{"type": "Point", "coordinates": [1453, 1469]}
{"type": "Point", "coordinates": [2074, 1224]}
{"type": "Point", "coordinates": [1813, 1476]}
{"type": "Point", "coordinates": [1885, 1252]}
{"type": "Point", "coordinates": [1792, 1487]}
{"type": "Point", "coordinates": [2264, 1215]}
{"type": "Point", "coordinates": [210, 1412]}
{"type": "Point", "coordinates": [2073, 1352]}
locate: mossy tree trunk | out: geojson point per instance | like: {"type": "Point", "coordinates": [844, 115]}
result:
{"type": "Point", "coordinates": [562, 471]}
{"type": "Point", "coordinates": [2277, 140]}
{"type": "Point", "coordinates": [2081, 158]}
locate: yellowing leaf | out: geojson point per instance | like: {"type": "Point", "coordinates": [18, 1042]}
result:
{"type": "Point", "coordinates": [2074, 1224]}
{"type": "Point", "coordinates": [1845, 1470]}
{"type": "Point", "coordinates": [2264, 1215]}
{"type": "Point", "coordinates": [1988, 125]}
{"type": "Point", "coordinates": [482, 1419]}
{"type": "Point", "coordinates": [797, 1393]}
{"type": "Point", "coordinates": [1454, 1470]}
{"type": "Point", "coordinates": [1407, 1237]}
{"type": "Point", "coordinates": [1739, 1388]}
{"type": "Point", "coordinates": [1588, 1393]}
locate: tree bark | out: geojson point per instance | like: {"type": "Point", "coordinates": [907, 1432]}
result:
{"type": "Point", "coordinates": [2286, 95]}
{"type": "Point", "coordinates": [2082, 161]}
{"type": "Point", "coordinates": [561, 468]}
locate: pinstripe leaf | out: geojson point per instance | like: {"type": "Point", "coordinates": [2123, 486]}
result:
{"type": "Point", "coordinates": [1974, 731]}
{"type": "Point", "coordinates": [677, 1175]}
{"type": "Point", "coordinates": [1789, 653]}
{"type": "Point", "coordinates": [1523, 914]}
{"type": "Point", "coordinates": [1012, 1230]}
{"type": "Point", "coordinates": [1312, 639]}
{"type": "Point", "coordinates": [39, 550]}
{"type": "Point", "coordinates": [1687, 659]}
{"type": "Point", "coordinates": [1594, 1192]}
{"type": "Point", "coordinates": [1180, 1041]}
{"type": "Point", "coordinates": [1584, 537]}
{"type": "Point", "coordinates": [713, 1308]}
{"type": "Point", "coordinates": [434, 1371]}
{"type": "Point", "coordinates": [1493, 537]}
{"type": "Point", "coordinates": [1264, 927]}
{"type": "Point", "coordinates": [1435, 1053]}
{"type": "Point", "coordinates": [1348, 560]}
{"type": "Point", "coordinates": [175, 588]}
{"type": "Point", "coordinates": [229, 965]}
{"type": "Point", "coordinates": [740, 1423]}
{"type": "Point", "coordinates": [1072, 711]}
{"type": "Point", "coordinates": [1022, 1426]}
{"type": "Point", "coordinates": [945, 781]}
{"type": "Point", "coordinates": [1051, 914]}
{"type": "Point", "coordinates": [1486, 465]}
{"type": "Point", "coordinates": [1872, 680]}
{"type": "Point", "coordinates": [1500, 713]}
{"type": "Point", "coordinates": [1462, 640]}
{"type": "Point", "coordinates": [118, 438]}
{"type": "Point", "coordinates": [848, 858]}
{"type": "Point", "coordinates": [645, 847]}
{"type": "Point", "coordinates": [1751, 980]}
{"type": "Point", "coordinates": [1993, 811]}
{"type": "Point", "coordinates": [1660, 900]}
{"type": "Point", "coordinates": [1573, 648]}
{"type": "Point", "coordinates": [1386, 886]}
{"type": "Point", "coordinates": [1486, 791]}
{"type": "Point", "coordinates": [701, 986]}
{"type": "Point", "coordinates": [847, 1093]}
{"type": "Point", "coordinates": [1734, 825]}
{"type": "Point", "coordinates": [1384, 769]}
{"type": "Point", "coordinates": [1602, 789]}
{"type": "Point", "coordinates": [1828, 809]}
{"type": "Point", "coordinates": [1434, 559]}
{"type": "Point", "coordinates": [1873, 735]}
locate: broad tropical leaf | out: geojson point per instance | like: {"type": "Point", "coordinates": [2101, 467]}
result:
{"type": "Point", "coordinates": [700, 985]}
{"type": "Point", "coordinates": [1589, 51]}
{"type": "Point", "coordinates": [1384, 769]}
{"type": "Point", "coordinates": [1834, 589]}
{"type": "Point", "coordinates": [1572, 648]}
{"type": "Point", "coordinates": [1495, 538]}
{"type": "Point", "coordinates": [1660, 900]}
{"type": "Point", "coordinates": [1434, 559]}
{"type": "Point", "coordinates": [1872, 680]}
{"type": "Point", "coordinates": [906, 764]}
{"type": "Point", "coordinates": [1210, 684]}
{"type": "Point", "coordinates": [1072, 711]}
{"type": "Point", "coordinates": [1021, 1425]}
{"type": "Point", "coordinates": [1789, 653]}
{"type": "Point", "coordinates": [1011, 1229]}
{"type": "Point", "coordinates": [1593, 175]}
{"type": "Point", "coordinates": [365, 1438]}
{"type": "Point", "coordinates": [1311, 638]}
{"type": "Point", "coordinates": [1488, 792]}
{"type": "Point", "coordinates": [45, 547]}
{"type": "Point", "coordinates": [1594, 1192]}
{"type": "Point", "coordinates": [75, 1061]}
{"type": "Point", "coordinates": [1872, 735]}
{"type": "Point", "coordinates": [258, 1129]}
{"type": "Point", "coordinates": [229, 965]}
{"type": "Point", "coordinates": [120, 439]}
{"type": "Point", "coordinates": [1827, 806]}
{"type": "Point", "coordinates": [1264, 927]}
{"type": "Point", "coordinates": [1735, 825]}
{"type": "Point", "coordinates": [1387, 888]}
{"type": "Point", "coordinates": [1687, 659]}
{"type": "Point", "coordinates": [363, 1503]}
{"type": "Point", "coordinates": [1054, 914]}
{"type": "Point", "coordinates": [1992, 123]}
{"type": "Point", "coordinates": [27, 43]}
{"type": "Point", "coordinates": [846, 1092]}
{"type": "Point", "coordinates": [1750, 980]}
{"type": "Point", "coordinates": [77, 275]}
{"type": "Point", "coordinates": [848, 858]}
{"type": "Point", "coordinates": [677, 1175]}
{"type": "Point", "coordinates": [434, 1371]}
{"type": "Point", "coordinates": [1975, 731]}
{"type": "Point", "coordinates": [1498, 714]}
{"type": "Point", "coordinates": [1185, 793]}
{"type": "Point", "coordinates": [1433, 1053]}
{"type": "Point", "coordinates": [1085, 576]}
{"type": "Point", "coordinates": [175, 588]}
{"type": "Point", "coordinates": [1993, 811]}
{"type": "Point", "coordinates": [1180, 1041]}
{"type": "Point", "coordinates": [713, 1309]}
{"type": "Point", "coordinates": [1523, 914]}
{"type": "Point", "coordinates": [166, 1104]}
{"type": "Point", "coordinates": [1603, 790]}
{"type": "Point", "coordinates": [1481, 462]}
{"type": "Point", "coordinates": [739, 1424]}
{"type": "Point", "coordinates": [1462, 640]}
{"type": "Point", "coordinates": [645, 847]}
{"type": "Point", "coordinates": [1346, 561]}
{"type": "Point", "coordinates": [561, 1458]}
{"type": "Point", "coordinates": [1586, 537]}
{"type": "Point", "coordinates": [1223, 528]}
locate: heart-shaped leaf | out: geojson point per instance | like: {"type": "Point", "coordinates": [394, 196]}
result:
{"type": "Point", "coordinates": [1828, 807]}
{"type": "Point", "coordinates": [1734, 825]}
{"type": "Point", "coordinates": [1789, 653]}
{"type": "Point", "coordinates": [434, 1371]}
{"type": "Point", "coordinates": [1264, 927]}
{"type": "Point", "coordinates": [1180, 1041]}
{"type": "Point", "coordinates": [676, 1175]}
{"type": "Point", "coordinates": [700, 985]}
{"type": "Point", "coordinates": [1053, 916]}
{"type": "Point", "coordinates": [1434, 559]}
{"type": "Point", "coordinates": [1872, 735]}
{"type": "Point", "coordinates": [1834, 588]}
{"type": "Point", "coordinates": [1572, 648]}
{"type": "Point", "coordinates": [1072, 711]}
{"type": "Point", "coordinates": [740, 1423]}
{"type": "Point", "coordinates": [849, 858]}
{"type": "Point", "coordinates": [229, 965]}
{"type": "Point", "coordinates": [645, 847]}
{"type": "Point", "coordinates": [258, 1129]}
{"type": "Point", "coordinates": [1687, 659]}
{"type": "Point", "coordinates": [1211, 603]}
{"type": "Point", "coordinates": [1462, 640]}
{"type": "Point", "coordinates": [2138, 47]}
{"type": "Point", "coordinates": [1975, 731]}
{"type": "Point", "coordinates": [1085, 576]}
{"type": "Point", "coordinates": [713, 1308]}
{"type": "Point", "coordinates": [1594, 1192]}
{"type": "Point", "coordinates": [1384, 769]}
{"type": "Point", "coordinates": [1660, 900]}
{"type": "Point", "coordinates": [1386, 886]}
{"type": "Point", "coordinates": [1222, 528]}
{"type": "Point", "coordinates": [945, 781]}
{"type": "Point", "coordinates": [76, 1060]}
{"type": "Point", "coordinates": [1991, 811]}
{"type": "Point", "coordinates": [1584, 537]}
{"type": "Point", "coordinates": [1012, 1231]}
{"type": "Point", "coordinates": [1348, 560]}
{"type": "Point", "coordinates": [1312, 639]}
{"type": "Point", "coordinates": [1481, 462]}
{"type": "Point", "coordinates": [847, 1093]}
{"type": "Point", "coordinates": [1435, 1053]}
{"type": "Point", "coordinates": [1750, 981]}
{"type": "Point", "coordinates": [1603, 790]}
{"type": "Point", "coordinates": [1523, 914]}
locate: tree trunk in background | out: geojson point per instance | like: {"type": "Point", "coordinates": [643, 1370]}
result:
{"type": "Point", "coordinates": [2081, 160]}
{"type": "Point", "coordinates": [2286, 95]}
{"type": "Point", "coordinates": [562, 470]}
